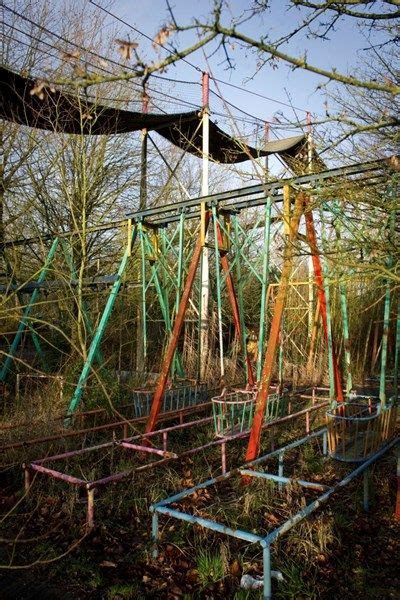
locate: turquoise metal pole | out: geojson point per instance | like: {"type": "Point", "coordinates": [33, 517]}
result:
{"type": "Point", "coordinates": [386, 318]}
{"type": "Point", "coordinates": [219, 299]}
{"type": "Point", "coordinates": [177, 363]}
{"type": "Point", "coordinates": [143, 283]}
{"type": "Point", "coordinates": [345, 317]}
{"type": "Point", "coordinates": [77, 395]}
{"type": "Point", "coordinates": [34, 335]}
{"type": "Point", "coordinates": [346, 338]}
{"type": "Point", "coordinates": [239, 279]}
{"type": "Point", "coordinates": [328, 316]}
{"type": "Point", "coordinates": [386, 315]}
{"type": "Point", "coordinates": [24, 320]}
{"type": "Point", "coordinates": [264, 286]}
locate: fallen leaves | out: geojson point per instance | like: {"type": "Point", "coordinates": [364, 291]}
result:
{"type": "Point", "coordinates": [108, 563]}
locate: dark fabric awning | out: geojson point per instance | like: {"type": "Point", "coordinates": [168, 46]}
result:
{"type": "Point", "coordinates": [26, 102]}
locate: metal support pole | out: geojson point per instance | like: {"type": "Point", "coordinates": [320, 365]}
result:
{"type": "Point", "coordinates": [323, 290]}
{"type": "Point", "coordinates": [280, 467]}
{"type": "Point", "coordinates": [204, 275]}
{"type": "Point", "coordinates": [177, 363]}
{"type": "Point", "coordinates": [267, 591]}
{"type": "Point", "coordinates": [154, 533]}
{"type": "Point", "coordinates": [346, 338]}
{"type": "Point", "coordinates": [345, 322]}
{"type": "Point", "coordinates": [176, 330]}
{"type": "Point", "coordinates": [237, 303]}
{"type": "Point", "coordinates": [219, 299]}
{"type": "Point", "coordinates": [262, 394]}
{"type": "Point", "coordinates": [264, 286]}
{"type": "Point", "coordinates": [386, 318]}
{"type": "Point", "coordinates": [142, 325]}
{"type": "Point", "coordinates": [77, 395]}
{"type": "Point", "coordinates": [27, 311]}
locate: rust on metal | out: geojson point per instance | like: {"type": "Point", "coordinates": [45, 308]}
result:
{"type": "Point", "coordinates": [312, 241]}
{"type": "Point", "coordinates": [176, 331]}
{"type": "Point", "coordinates": [266, 375]}
{"type": "Point", "coordinates": [234, 306]}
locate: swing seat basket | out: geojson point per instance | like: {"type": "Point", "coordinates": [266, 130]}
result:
{"type": "Point", "coordinates": [233, 412]}
{"type": "Point", "coordinates": [182, 395]}
{"type": "Point", "coordinates": [357, 429]}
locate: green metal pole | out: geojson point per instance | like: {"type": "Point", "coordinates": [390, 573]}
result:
{"type": "Point", "coordinates": [179, 275]}
{"type": "Point", "coordinates": [239, 279]}
{"type": "Point", "coordinates": [264, 286]}
{"type": "Point", "coordinates": [180, 260]}
{"type": "Point", "coordinates": [164, 308]}
{"type": "Point", "coordinates": [34, 335]}
{"type": "Point", "coordinates": [386, 317]}
{"type": "Point", "coordinates": [77, 395]}
{"type": "Point", "coordinates": [328, 315]}
{"type": "Point", "coordinates": [143, 282]}
{"type": "Point", "coordinates": [24, 320]}
{"type": "Point", "coordinates": [219, 299]}
{"type": "Point", "coordinates": [346, 338]}
{"type": "Point", "coordinates": [345, 324]}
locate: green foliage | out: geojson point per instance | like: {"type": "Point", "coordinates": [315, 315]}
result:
{"type": "Point", "coordinates": [210, 568]}
{"type": "Point", "coordinates": [124, 592]}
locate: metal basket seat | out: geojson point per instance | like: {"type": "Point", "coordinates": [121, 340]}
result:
{"type": "Point", "coordinates": [183, 394]}
{"type": "Point", "coordinates": [358, 428]}
{"type": "Point", "coordinates": [233, 412]}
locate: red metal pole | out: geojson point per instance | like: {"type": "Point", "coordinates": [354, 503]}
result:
{"type": "Point", "coordinates": [234, 305]}
{"type": "Point", "coordinates": [312, 241]}
{"type": "Point", "coordinates": [173, 342]}
{"type": "Point", "coordinates": [266, 376]}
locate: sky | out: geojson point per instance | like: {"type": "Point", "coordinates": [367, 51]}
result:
{"type": "Point", "coordinates": [340, 51]}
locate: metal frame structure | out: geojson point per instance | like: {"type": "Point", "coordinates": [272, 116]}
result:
{"type": "Point", "coordinates": [163, 508]}
{"type": "Point", "coordinates": [144, 443]}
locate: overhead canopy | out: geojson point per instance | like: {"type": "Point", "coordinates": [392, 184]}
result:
{"type": "Point", "coordinates": [36, 104]}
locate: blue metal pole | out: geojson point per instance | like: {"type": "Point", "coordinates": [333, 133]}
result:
{"type": "Point", "coordinates": [267, 592]}
{"type": "Point", "coordinates": [154, 533]}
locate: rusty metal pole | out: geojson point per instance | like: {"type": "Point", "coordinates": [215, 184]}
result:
{"type": "Point", "coordinates": [292, 226]}
{"type": "Point", "coordinates": [230, 286]}
{"type": "Point", "coordinates": [312, 241]}
{"type": "Point", "coordinates": [177, 328]}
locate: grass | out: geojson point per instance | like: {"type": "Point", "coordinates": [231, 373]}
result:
{"type": "Point", "coordinates": [126, 591]}
{"type": "Point", "coordinates": [210, 568]}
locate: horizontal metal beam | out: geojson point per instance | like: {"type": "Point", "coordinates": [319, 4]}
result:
{"type": "Point", "coordinates": [271, 188]}
{"type": "Point", "coordinates": [170, 212]}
